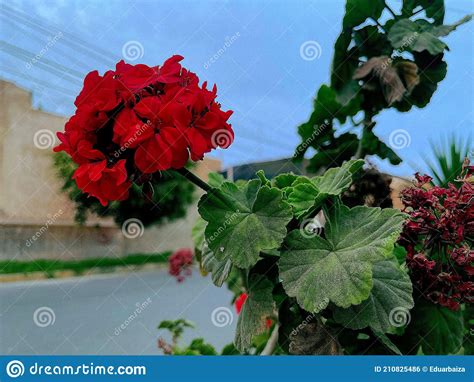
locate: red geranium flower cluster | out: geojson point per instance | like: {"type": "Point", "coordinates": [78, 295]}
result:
{"type": "Point", "coordinates": [438, 238]}
{"type": "Point", "coordinates": [180, 263]}
{"type": "Point", "coordinates": [137, 120]}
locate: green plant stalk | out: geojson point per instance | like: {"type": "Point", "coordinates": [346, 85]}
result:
{"type": "Point", "coordinates": [194, 179]}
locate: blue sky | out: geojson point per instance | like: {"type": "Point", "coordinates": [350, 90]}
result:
{"type": "Point", "coordinates": [260, 75]}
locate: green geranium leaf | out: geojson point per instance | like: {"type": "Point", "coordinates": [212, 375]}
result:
{"type": "Point", "coordinates": [256, 309]}
{"type": "Point", "coordinates": [387, 342]}
{"type": "Point", "coordinates": [263, 178]}
{"type": "Point", "coordinates": [392, 291]}
{"type": "Point", "coordinates": [308, 196]}
{"type": "Point", "coordinates": [284, 181]}
{"type": "Point", "coordinates": [353, 165]}
{"type": "Point", "coordinates": [338, 269]}
{"type": "Point", "coordinates": [219, 269]}
{"type": "Point", "coordinates": [420, 35]}
{"type": "Point", "coordinates": [437, 329]}
{"type": "Point", "coordinates": [357, 11]}
{"type": "Point", "coordinates": [215, 179]}
{"type": "Point", "coordinates": [243, 221]}
{"type": "Point", "coordinates": [197, 234]}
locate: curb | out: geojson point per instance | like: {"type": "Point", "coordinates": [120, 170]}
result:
{"type": "Point", "coordinates": [64, 274]}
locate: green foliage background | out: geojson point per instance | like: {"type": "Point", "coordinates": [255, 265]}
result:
{"type": "Point", "coordinates": [379, 63]}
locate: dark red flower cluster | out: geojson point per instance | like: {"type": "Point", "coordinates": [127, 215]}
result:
{"type": "Point", "coordinates": [438, 238]}
{"type": "Point", "coordinates": [138, 120]}
{"type": "Point", "coordinates": [180, 263]}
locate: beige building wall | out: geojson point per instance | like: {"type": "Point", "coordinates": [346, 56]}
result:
{"type": "Point", "coordinates": [32, 206]}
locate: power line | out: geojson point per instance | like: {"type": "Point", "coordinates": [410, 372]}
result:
{"type": "Point", "coordinates": [90, 51]}
{"type": "Point", "coordinates": [38, 38]}
{"type": "Point", "coordinates": [60, 70]}
{"type": "Point", "coordinates": [43, 63]}
{"type": "Point", "coordinates": [17, 73]}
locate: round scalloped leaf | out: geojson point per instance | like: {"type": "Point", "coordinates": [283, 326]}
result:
{"type": "Point", "coordinates": [391, 290]}
{"type": "Point", "coordinates": [243, 221]}
{"type": "Point", "coordinates": [338, 268]}
{"type": "Point", "coordinates": [256, 309]}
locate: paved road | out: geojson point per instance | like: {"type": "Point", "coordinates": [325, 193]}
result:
{"type": "Point", "coordinates": [107, 314]}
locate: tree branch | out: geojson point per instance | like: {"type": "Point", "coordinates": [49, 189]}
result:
{"type": "Point", "coordinates": [390, 10]}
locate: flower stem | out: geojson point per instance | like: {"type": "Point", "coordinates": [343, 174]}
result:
{"type": "Point", "coordinates": [272, 342]}
{"type": "Point", "coordinates": [194, 179]}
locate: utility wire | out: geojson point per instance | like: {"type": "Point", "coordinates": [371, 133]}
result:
{"type": "Point", "coordinates": [90, 51]}
{"type": "Point", "coordinates": [18, 73]}
{"type": "Point", "coordinates": [36, 37]}
{"type": "Point", "coordinates": [51, 66]}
